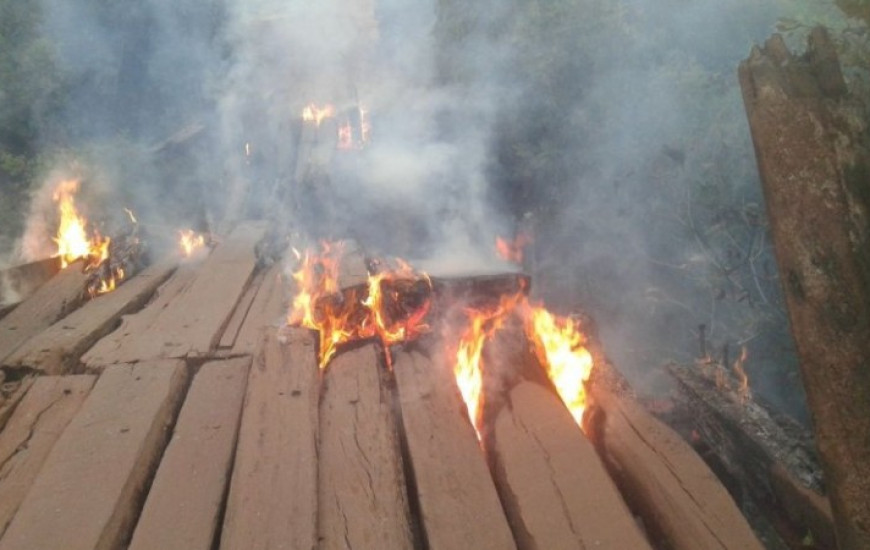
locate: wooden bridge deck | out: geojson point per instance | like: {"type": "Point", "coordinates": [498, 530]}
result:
{"type": "Point", "coordinates": [179, 413]}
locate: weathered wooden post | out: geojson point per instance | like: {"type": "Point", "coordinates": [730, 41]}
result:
{"type": "Point", "coordinates": [813, 152]}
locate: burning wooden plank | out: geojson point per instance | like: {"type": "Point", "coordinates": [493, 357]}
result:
{"type": "Point", "coordinates": [31, 433]}
{"type": "Point", "coordinates": [57, 349]}
{"type": "Point", "coordinates": [272, 501]}
{"type": "Point", "coordinates": [458, 503]}
{"type": "Point", "coordinates": [51, 302]}
{"type": "Point", "coordinates": [191, 324]}
{"type": "Point", "coordinates": [553, 486]}
{"type": "Point", "coordinates": [361, 489]}
{"type": "Point", "coordinates": [770, 456]}
{"type": "Point", "coordinates": [811, 143]}
{"type": "Point", "coordinates": [87, 494]}
{"type": "Point", "coordinates": [666, 482]}
{"type": "Point", "coordinates": [185, 500]}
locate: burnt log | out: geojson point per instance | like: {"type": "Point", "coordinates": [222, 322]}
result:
{"type": "Point", "coordinates": [770, 455]}
{"type": "Point", "coordinates": [811, 144]}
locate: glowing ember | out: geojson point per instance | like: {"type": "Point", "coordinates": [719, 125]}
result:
{"type": "Point", "coordinates": [315, 114]}
{"type": "Point", "coordinates": [560, 347]}
{"type": "Point", "coordinates": [512, 251]}
{"type": "Point", "coordinates": [190, 242]}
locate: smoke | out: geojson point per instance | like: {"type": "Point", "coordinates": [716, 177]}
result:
{"type": "Point", "coordinates": [613, 131]}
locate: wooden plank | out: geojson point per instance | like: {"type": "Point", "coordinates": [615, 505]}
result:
{"type": "Point", "coordinates": [272, 501]}
{"type": "Point", "coordinates": [186, 498]}
{"type": "Point", "coordinates": [57, 349]}
{"type": "Point", "coordinates": [19, 282]}
{"type": "Point", "coordinates": [268, 309]}
{"type": "Point", "coordinates": [235, 323]}
{"type": "Point", "coordinates": [553, 486]}
{"type": "Point", "coordinates": [31, 433]}
{"type": "Point", "coordinates": [50, 303]}
{"type": "Point", "coordinates": [353, 270]}
{"type": "Point", "coordinates": [458, 503]}
{"type": "Point", "coordinates": [361, 487]}
{"type": "Point", "coordinates": [139, 323]}
{"type": "Point", "coordinates": [192, 323]}
{"type": "Point", "coordinates": [680, 500]}
{"type": "Point", "coordinates": [87, 494]}
{"type": "Point", "coordinates": [11, 395]}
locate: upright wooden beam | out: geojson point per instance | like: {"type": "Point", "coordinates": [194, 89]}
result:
{"type": "Point", "coordinates": [87, 494]}
{"type": "Point", "coordinates": [458, 503]}
{"type": "Point", "coordinates": [361, 485]}
{"type": "Point", "coordinates": [31, 433]}
{"type": "Point", "coordinates": [51, 302]}
{"type": "Point", "coordinates": [681, 501]}
{"type": "Point", "coordinates": [555, 490]}
{"type": "Point", "coordinates": [813, 155]}
{"type": "Point", "coordinates": [186, 498]}
{"type": "Point", "coordinates": [57, 349]}
{"type": "Point", "coordinates": [272, 501]}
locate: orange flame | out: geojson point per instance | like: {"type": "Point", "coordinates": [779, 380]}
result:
{"type": "Point", "coordinates": [72, 237]}
{"type": "Point", "coordinates": [560, 347]}
{"type": "Point", "coordinates": [512, 251]}
{"type": "Point", "coordinates": [345, 136]}
{"type": "Point", "coordinates": [315, 114]}
{"type": "Point", "coordinates": [743, 390]}
{"type": "Point", "coordinates": [190, 242]}
{"type": "Point", "coordinates": [345, 315]}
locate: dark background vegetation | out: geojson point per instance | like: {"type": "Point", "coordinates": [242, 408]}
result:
{"type": "Point", "coordinates": [612, 130]}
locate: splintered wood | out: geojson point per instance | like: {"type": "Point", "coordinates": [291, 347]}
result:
{"type": "Point", "coordinates": [57, 349]}
{"type": "Point", "coordinates": [186, 498]}
{"type": "Point", "coordinates": [361, 487]}
{"type": "Point", "coordinates": [459, 506]}
{"type": "Point", "coordinates": [50, 303]}
{"type": "Point", "coordinates": [273, 494]}
{"type": "Point", "coordinates": [553, 486]}
{"type": "Point", "coordinates": [678, 496]}
{"type": "Point", "coordinates": [190, 325]}
{"type": "Point", "coordinates": [31, 433]}
{"type": "Point", "coordinates": [86, 495]}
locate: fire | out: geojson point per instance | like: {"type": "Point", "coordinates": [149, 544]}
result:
{"type": "Point", "coordinates": [558, 342]}
{"type": "Point", "coordinates": [315, 114]}
{"type": "Point", "coordinates": [190, 241]}
{"type": "Point", "coordinates": [72, 237]}
{"type": "Point", "coordinates": [743, 390]}
{"type": "Point", "coordinates": [512, 251]}
{"type": "Point", "coordinates": [345, 136]}
{"type": "Point", "coordinates": [378, 310]}
{"type": "Point", "coordinates": [560, 346]}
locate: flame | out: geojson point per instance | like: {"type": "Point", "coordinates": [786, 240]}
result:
{"type": "Point", "coordinates": [743, 390]}
{"type": "Point", "coordinates": [72, 238]}
{"type": "Point", "coordinates": [560, 346]}
{"type": "Point", "coordinates": [345, 136]}
{"type": "Point", "coordinates": [315, 114]}
{"type": "Point", "coordinates": [378, 310]}
{"type": "Point", "coordinates": [190, 241]}
{"type": "Point", "coordinates": [512, 251]}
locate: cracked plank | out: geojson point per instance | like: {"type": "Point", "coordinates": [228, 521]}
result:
{"type": "Point", "coordinates": [192, 323]}
{"type": "Point", "coordinates": [458, 502]}
{"type": "Point", "coordinates": [240, 313]}
{"type": "Point", "coordinates": [272, 501]}
{"type": "Point", "coordinates": [87, 494]}
{"type": "Point", "coordinates": [555, 490]}
{"type": "Point", "coordinates": [268, 309]}
{"type": "Point", "coordinates": [11, 395]}
{"type": "Point", "coordinates": [51, 302]}
{"type": "Point", "coordinates": [57, 349]}
{"type": "Point", "coordinates": [186, 497]}
{"type": "Point", "coordinates": [680, 499]}
{"type": "Point", "coordinates": [361, 487]}
{"type": "Point", "coordinates": [31, 433]}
